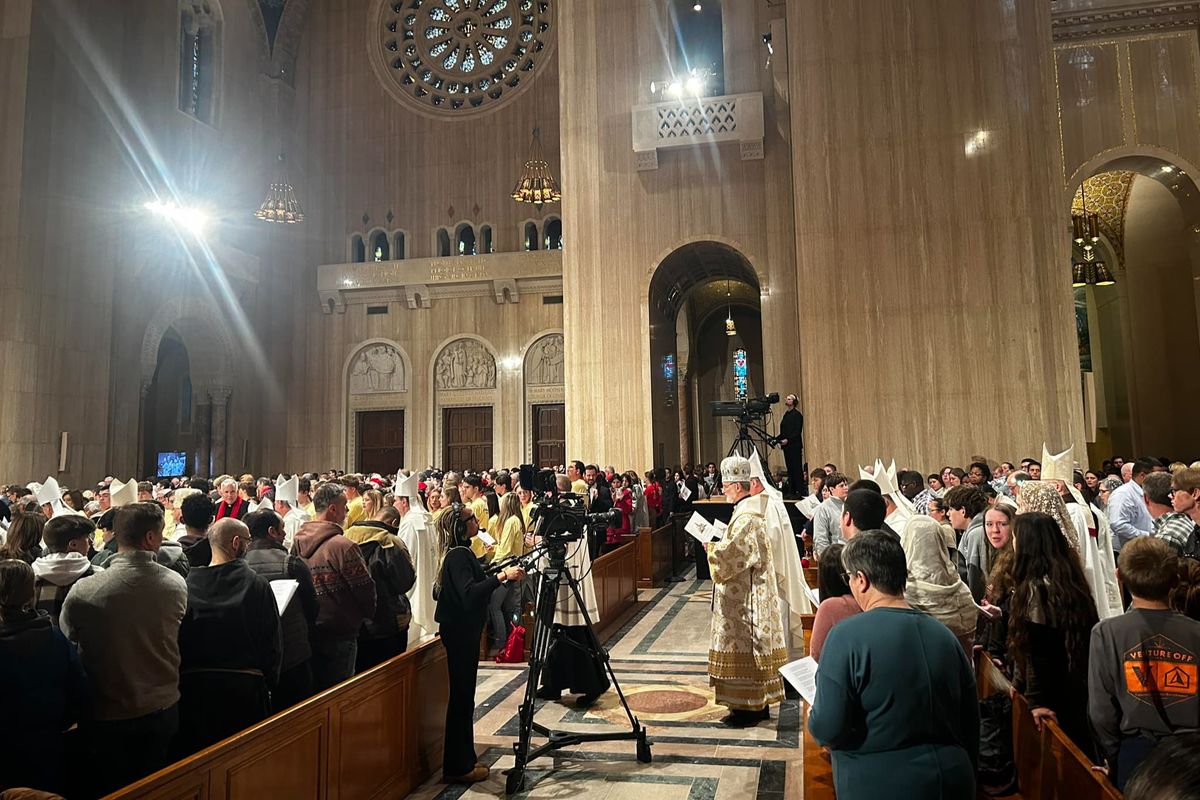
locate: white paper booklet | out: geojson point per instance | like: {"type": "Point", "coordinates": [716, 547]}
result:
{"type": "Point", "coordinates": [486, 538]}
{"type": "Point", "coordinates": [813, 595]}
{"type": "Point", "coordinates": [802, 675]}
{"type": "Point", "coordinates": [685, 493]}
{"type": "Point", "coordinates": [701, 529]}
{"type": "Point", "coordinates": [284, 591]}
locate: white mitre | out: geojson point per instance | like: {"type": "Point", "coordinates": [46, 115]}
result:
{"type": "Point", "coordinates": [1060, 467]}
{"type": "Point", "coordinates": [287, 490]}
{"type": "Point", "coordinates": [122, 494]}
{"type": "Point", "coordinates": [50, 494]}
{"type": "Point", "coordinates": [409, 486]}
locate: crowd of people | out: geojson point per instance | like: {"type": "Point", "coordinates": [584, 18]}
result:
{"type": "Point", "coordinates": [163, 616]}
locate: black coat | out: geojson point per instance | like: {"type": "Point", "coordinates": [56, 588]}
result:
{"type": "Point", "coordinates": [791, 427]}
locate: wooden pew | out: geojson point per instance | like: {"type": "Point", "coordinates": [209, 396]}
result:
{"type": "Point", "coordinates": [817, 767]}
{"type": "Point", "coordinates": [1049, 765]}
{"type": "Point", "coordinates": [806, 621]}
{"type": "Point", "coordinates": [654, 555]}
{"type": "Point", "coordinates": [810, 577]}
{"type": "Point", "coordinates": [379, 734]}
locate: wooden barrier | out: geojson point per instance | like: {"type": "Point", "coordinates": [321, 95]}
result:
{"type": "Point", "coordinates": [811, 577]}
{"type": "Point", "coordinates": [817, 766]}
{"type": "Point", "coordinates": [379, 734]}
{"type": "Point", "coordinates": [614, 576]}
{"type": "Point", "coordinates": [654, 554]}
{"type": "Point", "coordinates": [1049, 765]}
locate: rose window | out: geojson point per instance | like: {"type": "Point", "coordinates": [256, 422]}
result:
{"type": "Point", "coordinates": [459, 56]}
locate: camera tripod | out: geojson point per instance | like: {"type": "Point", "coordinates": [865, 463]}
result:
{"type": "Point", "coordinates": [547, 637]}
{"type": "Point", "coordinates": [749, 434]}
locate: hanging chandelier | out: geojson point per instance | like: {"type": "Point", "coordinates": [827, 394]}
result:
{"type": "Point", "coordinates": [730, 328]}
{"type": "Point", "coordinates": [1091, 271]}
{"type": "Point", "coordinates": [281, 204]}
{"type": "Point", "coordinates": [536, 185]}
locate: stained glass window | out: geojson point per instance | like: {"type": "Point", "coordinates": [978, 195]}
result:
{"type": "Point", "coordinates": [740, 374]}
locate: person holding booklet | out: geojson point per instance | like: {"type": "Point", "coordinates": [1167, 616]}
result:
{"type": "Point", "coordinates": [895, 693]}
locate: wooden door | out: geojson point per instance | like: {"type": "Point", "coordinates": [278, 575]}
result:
{"type": "Point", "coordinates": [467, 438]}
{"type": "Point", "coordinates": [550, 435]}
{"type": "Point", "coordinates": [380, 441]}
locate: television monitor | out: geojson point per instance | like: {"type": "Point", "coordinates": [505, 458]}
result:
{"type": "Point", "coordinates": [171, 465]}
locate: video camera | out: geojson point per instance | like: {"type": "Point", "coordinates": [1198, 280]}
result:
{"type": "Point", "coordinates": [747, 408]}
{"type": "Point", "coordinates": [560, 517]}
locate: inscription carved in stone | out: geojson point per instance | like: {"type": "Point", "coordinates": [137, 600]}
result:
{"type": "Point", "coordinates": [378, 368]}
{"type": "Point", "coordinates": [465, 364]}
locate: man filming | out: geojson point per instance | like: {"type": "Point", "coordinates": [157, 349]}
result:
{"type": "Point", "coordinates": [791, 441]}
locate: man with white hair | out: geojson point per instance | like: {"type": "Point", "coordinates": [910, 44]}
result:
{"type": "Point", "coordinates": [785, 557]}
{"type": "Point", "coordinates": [747, 645]}
{"type": "Point", "coordinates": [232, 505]}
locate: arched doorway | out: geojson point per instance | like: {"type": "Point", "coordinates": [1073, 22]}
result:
{"type": "Point", "coordinates": [704, 307]}
{"type": "Point", "coordinates": [168, 440]}
{"type": "Point", "coordinates": [1139, 337]}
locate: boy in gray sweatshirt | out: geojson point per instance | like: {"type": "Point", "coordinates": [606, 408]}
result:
{"type": "Point", "coordinates": [1142, 671]}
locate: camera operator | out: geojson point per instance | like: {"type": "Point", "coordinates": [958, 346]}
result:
{"type": "Point", "coordinates": [570, 665]}
{"type": "Point", "coordinates": [791, 441]}
{"type": "Point", "coordinates": [462, 591]}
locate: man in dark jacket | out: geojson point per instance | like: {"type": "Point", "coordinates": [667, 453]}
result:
{"type": "Point", "coordinates": [196, 512]}
{"type": "Point", "coordinates": [791, 441]}
{"type": "Point", "coordinates": [229, 644]}
{"type": "Point", "coordinates": [345, 589]}
{"type": "Point", "coordinates": [267, 557]}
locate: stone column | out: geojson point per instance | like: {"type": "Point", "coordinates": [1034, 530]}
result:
{"type": "Point", "coordinates": [683, 391]}
{"type": "Point", "coordinates": [203, 432]}
{"type": "Point", "coordinates": [141, 431]}
{"type": "Point", "coordinates": [926, 161]}
{"type": "Point", "coordinates": [220, 425]}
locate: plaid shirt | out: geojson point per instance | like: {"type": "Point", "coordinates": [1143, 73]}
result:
{"type": "Point", "coordinates": [1175, 529]}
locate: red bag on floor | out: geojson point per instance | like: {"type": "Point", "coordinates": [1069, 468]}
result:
{"type": "Point", "coordinates": [513, 651]}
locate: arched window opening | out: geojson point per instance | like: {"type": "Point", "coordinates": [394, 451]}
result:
{"type": "Point", "coordinates": [698, 60]}
{"type": "Point", "coordinates": [485, 240]}
{"type": "Point", "coordinates": [380, 249]}
{"type": "Point", "coordinates": [199, 40]}
{"type": "Point", "coordinates": [399, 251]}
{"type": "Point", "coordinates": [554, 234]}
{"type": "Point", "coordinates": [358, 250]}
{"type": "Point", "coordinates": [465, 236]}
{"type": "Point", "coordinates": [443, 242]}
{"type": "Point", "coordinates": [531, 237]}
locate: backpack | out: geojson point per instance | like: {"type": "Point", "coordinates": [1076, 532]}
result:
{"type": "Point", "coordinates": [1192, 548]}
{"type": "Point", "coordinates": [394, 567]}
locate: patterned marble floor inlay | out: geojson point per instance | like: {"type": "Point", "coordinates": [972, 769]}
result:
{"type": "Point", "coordinates": [660, 657]}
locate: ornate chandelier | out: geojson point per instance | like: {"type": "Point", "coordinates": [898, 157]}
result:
{"type": "Point", "coordinates": [1091, 271]}
{"type": "Point", "coordinates": [536, 185]}
{"type": "Point", "coordinates": [730, 328]}
{"type": "Point", "coordinates": [281, 204]}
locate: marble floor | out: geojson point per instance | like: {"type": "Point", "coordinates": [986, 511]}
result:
{"type": "Point", "coordinates": [660, 658]}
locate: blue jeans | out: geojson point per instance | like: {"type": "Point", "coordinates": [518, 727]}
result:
{"type": "Point", "coordinates": [332, 662]}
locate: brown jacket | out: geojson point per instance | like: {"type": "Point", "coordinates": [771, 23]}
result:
{"type": "Point", "coordinates": [345, 590]}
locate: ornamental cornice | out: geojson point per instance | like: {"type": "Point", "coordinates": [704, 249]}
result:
{"type": "Point", "coordinates": [1124, 19]}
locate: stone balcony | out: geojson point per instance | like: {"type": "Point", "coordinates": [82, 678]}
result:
{"type": "Point", "coordinates": [420, 282]}
{"type": "Point", "coordinates": [698, 121]}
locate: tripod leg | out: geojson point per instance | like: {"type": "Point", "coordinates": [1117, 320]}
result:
{"type": "Point", "coordinates": [547, 598]}
{"type": "Point", "coordinates": [597, 649]}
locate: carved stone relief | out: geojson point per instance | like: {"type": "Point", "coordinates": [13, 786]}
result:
{"type": "Point", "coordinates": [378, 368]}
{"type": "Point", "coordinates": [544, 364]}
{"type": "Point", "coordinates": [465, 364]}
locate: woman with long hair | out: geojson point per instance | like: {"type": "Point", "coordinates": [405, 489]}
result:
{"type": "Point", "coordinates": [991, 633]}
{"type": "Point", "coordinates": [24, 541]}
{"type": "Point", "coordinates": [462, 590]}
{"type": "Point", "coordinates": [372, 503]}
{"type": "Point", "coordinates": [504, 606]}
{"type": "Point", "coordinates": [1051, 617]}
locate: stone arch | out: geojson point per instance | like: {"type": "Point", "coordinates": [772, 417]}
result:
{"type": "Point", "coordinates": [392, 398]}
{"type": "Point", "coordinates": [208, 339]}
{"type": "Point", "coordinates": [441, 398]}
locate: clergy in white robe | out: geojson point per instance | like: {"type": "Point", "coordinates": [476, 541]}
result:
{"type": "Point", "coordinates": [747, 645]}
{"type": "Point", "coordinates": [417, 532]}
{"type": "Point", "coordinates": [785, 558]}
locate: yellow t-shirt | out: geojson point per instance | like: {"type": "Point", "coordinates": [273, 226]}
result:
{"type": "Point", "coordinates": [527, 513]}
{"type": "Point", "coordinates": [354, 512]}
{"type": "Point", "coordinates": [480, 507]}
{"type": "Point", "coordinates": [310, 510]}
{"type": "Point", "coordinates": [511, 541]}
{"type": "Point", "coordinates": [579, 487]}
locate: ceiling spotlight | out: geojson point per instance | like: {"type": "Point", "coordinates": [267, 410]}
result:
{"type": "Point", "coordinates": [675, 89]}
{"type": "Point", "coordinates": [697, 8]}
{"type": "Point", "coordinates": [189, 218]}
{"type": "Point", "coordinates": [695, 85]}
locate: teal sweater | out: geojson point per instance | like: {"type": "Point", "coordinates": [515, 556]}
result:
{"type": "Point", "coordinates": [896, 705]}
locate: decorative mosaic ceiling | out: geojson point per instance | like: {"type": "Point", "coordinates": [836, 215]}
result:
{"type": "Point", "coordinates": [1108, 195]}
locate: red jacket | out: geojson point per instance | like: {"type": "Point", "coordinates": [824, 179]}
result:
{"type": "Point", "coordinates": [625, 505]}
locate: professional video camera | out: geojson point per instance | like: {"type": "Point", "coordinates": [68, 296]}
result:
{"type": "Point", "coordinates": [749, 407]}
{"type": "Point", "coordinates": [560, 517]}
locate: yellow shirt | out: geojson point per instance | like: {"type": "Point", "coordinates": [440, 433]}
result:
{"type": "Point", "coordinates": [527, 513]}
{"type": "Point", "coordinates": [511, 541]}
{"type": "Point", "coordinates": [579, 487]}
{"type": "Point", "coordinates": [480, 507]}
{"type": "Point", "coordinates": [308, 509]}
{"type": "Point", "coordinates": [354, 512]}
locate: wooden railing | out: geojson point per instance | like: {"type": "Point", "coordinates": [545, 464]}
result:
{"type": "Point", "coordinates": [654, 555]}
{"type": "Point", "coordinates": [379, 734]}
{"type": "Point", "coordinates": [614, 576]}
{"type": "Point", "coordinates": [1049, 765]}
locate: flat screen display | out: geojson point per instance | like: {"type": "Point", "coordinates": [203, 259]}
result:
{"type": "Point", "coordinates": [171, 465]}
